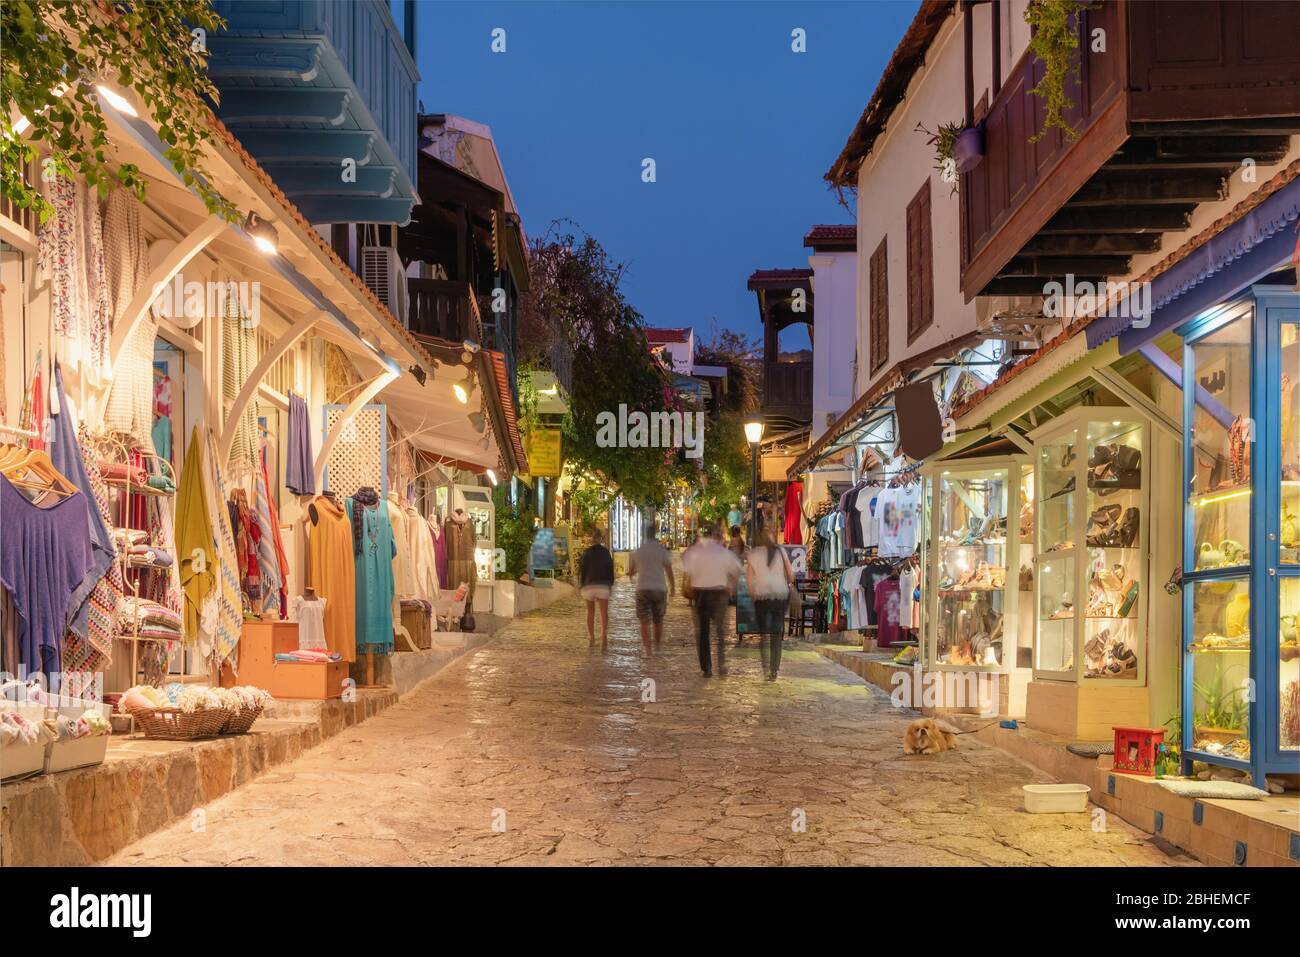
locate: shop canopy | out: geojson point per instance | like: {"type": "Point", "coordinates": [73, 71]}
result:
{"type": "Point", "coordinates": [1215, 265]}
{"type": "Point", "coordinates": [870, 419]}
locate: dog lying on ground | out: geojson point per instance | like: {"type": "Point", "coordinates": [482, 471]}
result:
{"type": "Point", "coordinates": [926, 736]}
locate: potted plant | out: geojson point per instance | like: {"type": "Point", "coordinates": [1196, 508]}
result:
{"type": "Point", "coordinates": [957, 149]}
{"type": "Point", "coordinates": [1225, 713]}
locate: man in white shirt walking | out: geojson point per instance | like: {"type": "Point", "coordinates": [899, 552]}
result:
{"type": "Point", "coordinates": [713, 571]}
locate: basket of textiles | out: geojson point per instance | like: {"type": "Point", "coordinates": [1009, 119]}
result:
{"type": "Point", "coordinates": [245, 704]}
{"type": "Point", "coordinates": [78, 742]}
{"type": "Point", "coordinates": [175, 715]}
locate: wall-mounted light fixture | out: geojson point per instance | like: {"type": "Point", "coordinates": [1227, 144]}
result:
{"type": "Point", "coordinates": [262, 234]}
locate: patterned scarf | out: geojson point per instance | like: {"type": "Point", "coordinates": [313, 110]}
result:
{"type": "Point", "coordinates": [369, 498]}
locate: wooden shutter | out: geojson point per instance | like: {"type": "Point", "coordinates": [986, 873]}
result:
{"type": "Point", "coordinates": [879, 306]}
{"type": "Point", "coordinates": [920, 265]}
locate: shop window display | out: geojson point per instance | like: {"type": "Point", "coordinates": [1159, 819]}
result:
{"type": "Point", "coordinates": [971, 560]}
{"type": "Point", "coordinates": [1090, 525]}
{"type": "Point", "coordinates": [1220, 668]}
{"type": "Point", "coordinates": [1241, 583]}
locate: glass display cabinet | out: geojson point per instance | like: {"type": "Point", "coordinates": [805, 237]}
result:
{"type": "Point", "coordinates": [1241, 536]}
{"type": "Point", "coordinates": [973, 567]}
{"type": "Point", "coordinates": [1089, 570]}
{"type": "Point", "coordinates": [1090, 517]}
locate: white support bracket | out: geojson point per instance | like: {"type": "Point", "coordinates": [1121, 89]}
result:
{"type": "Point", "coordinates": [249, 388]}
{"type": "Point", "coordinates": [175, 261]}
{"type": "Point", "coordinates": [375, 386]}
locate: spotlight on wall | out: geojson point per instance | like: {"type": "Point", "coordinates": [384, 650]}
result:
{"type": "Point", "coordinates": [464, 389]}
{"type": "Point", "coordinates": [478, 421]}
{"type": "Point", "coordinates": [469, 349]}
{"type": "Point", "coordinates": [419, 373]}
{"type": "Point", "coordinates": [262, 234]}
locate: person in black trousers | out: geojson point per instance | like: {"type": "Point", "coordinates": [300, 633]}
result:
{"type": "Point", "coordinates": [713, 571]}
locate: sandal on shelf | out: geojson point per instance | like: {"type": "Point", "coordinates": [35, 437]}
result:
{"type": "Point", "coordinates": [1066, 610]}
{"type": "Point", "coordinates": [1065, 489]}
{"type": "Point", "coordinates": [1112, 579]}
{"type": "Point", "coordinates": [1130, 599]}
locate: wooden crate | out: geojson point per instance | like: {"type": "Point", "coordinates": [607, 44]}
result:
{"type": "Point", "coordinates": [260, 642]}
{"type": "Point", "coordinates": [416, 621]}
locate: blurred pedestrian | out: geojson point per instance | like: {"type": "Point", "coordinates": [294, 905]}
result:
{"type": "Point", "coordinates": [596, 578]}
{"type": "Point", "coordinates": [713, 572]}
{"type": "Point", "coordinates": [652, 566]}
{"type": "Point", "coordinates": [768, 578]}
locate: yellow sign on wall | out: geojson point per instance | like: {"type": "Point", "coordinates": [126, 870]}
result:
{"type": "Point", "coordinates": [543, 450]}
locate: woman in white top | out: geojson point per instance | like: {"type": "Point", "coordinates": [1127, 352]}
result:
{"type": "Point", "coordinates": [768, 576]}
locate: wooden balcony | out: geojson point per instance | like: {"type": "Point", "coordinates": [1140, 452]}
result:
{"type": "Point", "coordinates": [1166, 114]}
{"type": "Point", "coordinates": [444, 309]}
{"type": "Point", "coordinates": [787, 393]}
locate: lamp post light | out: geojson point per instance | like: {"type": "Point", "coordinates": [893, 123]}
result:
{"type": "Point", "coordinates": [754, 433]}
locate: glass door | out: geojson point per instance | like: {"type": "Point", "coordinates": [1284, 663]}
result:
{"type": "Point", "coordinates": [1219, 648]}
{"type": "Point", "coordinates": [970, 515]}
{"type": "Point", "coordinates": [1114, 542]}
{"type": "Point", "coordinates": [1055, 577]}
{"type": "Point", "coordinates": [1281, 672]}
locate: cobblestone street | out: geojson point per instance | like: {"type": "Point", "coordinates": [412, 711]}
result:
{"type": "Point", "coordinates": [551, 738]}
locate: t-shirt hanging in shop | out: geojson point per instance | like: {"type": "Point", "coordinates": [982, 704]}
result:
{"type": "Point", "coordinates": [897, 512]}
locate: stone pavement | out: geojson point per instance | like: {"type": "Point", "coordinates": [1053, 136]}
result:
{"type": "Point", "coordinates": [550, 739]}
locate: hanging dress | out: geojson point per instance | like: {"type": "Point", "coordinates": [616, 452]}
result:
{"type": "Point", "coordinates": [374, 580]}
{"type": "Point", "coordinates": [45, 556]}
{"type": "Point", "coordinates": [331, 573]}
{"type": "Point", "coordinates": [794, 513]}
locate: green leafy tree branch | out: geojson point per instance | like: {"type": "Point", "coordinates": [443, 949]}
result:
{"type": "Point", "coordinates": [54, 54]}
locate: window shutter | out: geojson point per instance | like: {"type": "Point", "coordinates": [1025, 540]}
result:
{"type": "Point", "coordinates": [920, 265]}
{"type": "Point", "coordinates": [879, 306]}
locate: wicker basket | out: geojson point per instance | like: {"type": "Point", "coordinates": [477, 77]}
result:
{"type": "Point", "coordinates": [173, 724]}
{"type": "Point", "coordinates": [240, 721]}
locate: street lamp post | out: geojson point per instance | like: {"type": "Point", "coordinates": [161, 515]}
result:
{"type": "Point", "coordinates": [754, 433]}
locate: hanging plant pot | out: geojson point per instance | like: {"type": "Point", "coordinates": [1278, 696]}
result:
{"type": "Point", "coordinates": [968, 148]}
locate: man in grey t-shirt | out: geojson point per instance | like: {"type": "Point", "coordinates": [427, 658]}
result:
{"type": "Point", "coordinates": [652, 566]}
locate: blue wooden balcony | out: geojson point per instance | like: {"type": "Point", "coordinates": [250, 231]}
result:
{"type": "Point", "coordinates": [309, 84]}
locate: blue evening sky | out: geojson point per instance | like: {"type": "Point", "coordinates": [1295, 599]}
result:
{"type": "Point", "coordinates": [740, 127]}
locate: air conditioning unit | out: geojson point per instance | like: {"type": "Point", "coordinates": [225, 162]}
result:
{"type": "Point", "coordinates": [381, 270]}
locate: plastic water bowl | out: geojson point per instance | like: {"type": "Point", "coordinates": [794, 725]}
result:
{"type": "Point", "coordinates": [1056, 798]}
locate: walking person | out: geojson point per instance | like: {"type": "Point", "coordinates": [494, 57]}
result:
{"type": "Point", "coordinates": [744, 619]}
{"type": "Point", "coordinates": [652, 566]}
{"type": "Point", "coordinates": [769, 577]}
{"type": "Point", "coordinates": [713, 572]}
{"type": "Point", "coordinates": [596, 578]}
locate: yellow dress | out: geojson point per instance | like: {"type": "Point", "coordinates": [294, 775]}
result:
{"type": "Point", "coordinates": [331, 571]}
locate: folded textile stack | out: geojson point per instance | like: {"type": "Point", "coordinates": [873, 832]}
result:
{"type": "Point", "coordinates": [420, 603]}
{"type": "Point", "coordinates": [121, 473]}
{"type": "Point", "coordinates": [308, 656]}
{"type": "Point", "coordinates": [124, 538]}
{"type": "Point", "coordinates": [147, 556]}
{"type": "Point", "coordinates": [198, 698]}
{"type": "Point", "coordinates": [148, 619]}
{"type": "Point", "coordinates": [162, 483]}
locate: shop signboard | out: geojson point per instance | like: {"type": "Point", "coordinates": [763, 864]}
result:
{"type": "Point", "coordinates": [542, 558]}
{"type": "Point", "coordinates": [544, 448]}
